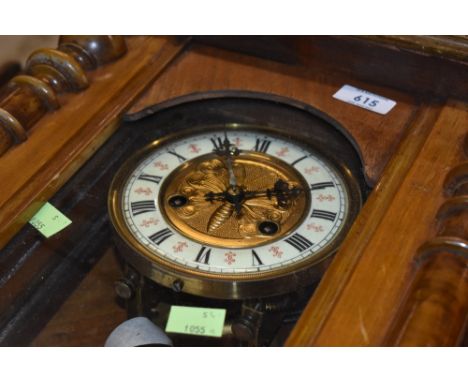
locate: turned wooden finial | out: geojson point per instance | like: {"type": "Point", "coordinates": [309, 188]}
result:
{"type": "Point", "coordinates": [49, 72]}
{"type": "Point", "coordinates": [94, 50]}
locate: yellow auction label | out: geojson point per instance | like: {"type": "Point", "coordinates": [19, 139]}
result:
{"type": "Point", "coordinates": [196, 321]}
{"type": "Point", "coordinates": [49, 220]}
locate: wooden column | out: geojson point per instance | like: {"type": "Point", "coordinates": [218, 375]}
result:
{"type": "Point", "coordinates": [49, 73]}
{"type": "Point", "coordinates": [435, 310]}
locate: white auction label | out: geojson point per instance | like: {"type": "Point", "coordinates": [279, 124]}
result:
{"type": "Point", "coordinates": [364, 99]}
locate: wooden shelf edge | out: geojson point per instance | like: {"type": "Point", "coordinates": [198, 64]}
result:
{"type": "Point", "coordinates": [90, 122]}
{"type": "Point", "coordinates": [357, 300]}
{"type": "Point", "coordinates": [338, 274]}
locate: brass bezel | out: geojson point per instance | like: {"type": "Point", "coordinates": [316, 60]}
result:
{"type": "Point", "coordinates": [220, 285]}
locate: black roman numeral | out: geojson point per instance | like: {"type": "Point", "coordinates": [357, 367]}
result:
{"type": "Point", "coordinates": [256, 259]}
{"type": "Point", "coordinates": [262, 145]}
{"type": "Point", "coordinates": [160, 236]}
{"type": "Point", "coordinates": [179, 157]}
{"type": "Point", "coordinates": [142, 207]}
{"type": "Point", "coordinates": [327, 215]}
{"type": "Point", "coordinates": [203, 255]}
{"type": "Point", "coordinates": [150, 178]}
{"type": "Point", "coordinates": [298, 160]}
{"type": "Point", "coordinates": [299, 242]}
{"type": "Point", "coordinates": [217, 143]}
{"type": "Point", "coordinates": [321, 186]}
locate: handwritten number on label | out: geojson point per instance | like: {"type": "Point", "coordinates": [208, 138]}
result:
{"type": "Point", "coordinates": [195, 329]}
{"type": "Point", "coordinates": [37, 224]}
{"type": "Point", "coordinates": [208, 315]}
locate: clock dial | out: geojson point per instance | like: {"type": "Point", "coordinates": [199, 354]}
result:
{"type": "Point", "coordinates": [230, 204]}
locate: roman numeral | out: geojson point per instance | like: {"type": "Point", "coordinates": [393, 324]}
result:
{"type": "Point", "coordinates": [299, 242]}
{"type": "Point", "coordinates": [298, 160]}
{"type": "Point", "coordinates": [327, 215]}
{"type": "Point", "coordinates": [179, 157]}
{"type": "Point", "coordinates": [217, 143]}
{"type": "Point", "coordinates": [160, 236]}
{"type": "Point", "coordinates": [256, 259]}
{"type": "Point", "coordinates": [262, 145]}
{"type": "Point", "coordinates": [321, 186]}
{"type": "Point", "coordinates": [203, 255]}
{"type": "Point", "coordinates": [150, 178]}
{"type": "Point", "coordinates": [142, 207]}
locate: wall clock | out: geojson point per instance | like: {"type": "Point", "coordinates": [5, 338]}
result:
{"type": "Point", "coordinates": [414, 198]}
{"type": "Point", "coordinates": [237, 198]}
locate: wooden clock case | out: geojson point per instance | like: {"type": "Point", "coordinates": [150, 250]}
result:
{"type": "Point", "coordinates": [400, 275]}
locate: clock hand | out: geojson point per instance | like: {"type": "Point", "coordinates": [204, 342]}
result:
{"type": "Point", "coordinates": [228, 151]}
{"type": "Point", "coordinates": [233, 195]}
{"type": "Point", "coordinates": [232, 177]}
{"type": "Point", "coordinates": [269, 193]}
{"type": "Point", "coordinates": [280, 190]}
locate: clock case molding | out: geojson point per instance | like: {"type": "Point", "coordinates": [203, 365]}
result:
{"type": "Point", "coordinates": [410, 233]}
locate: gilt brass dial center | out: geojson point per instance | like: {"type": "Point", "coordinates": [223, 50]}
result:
{"type": "Point", "coordinates": [220, 214]}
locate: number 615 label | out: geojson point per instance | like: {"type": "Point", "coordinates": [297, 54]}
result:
{"type": "Point", "coordinates": [364, 99]}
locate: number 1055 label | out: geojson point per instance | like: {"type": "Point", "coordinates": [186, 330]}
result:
{"type": "Point", "coordinates": [364, 99]}
{"type": "Point", "coordinates": [196, 321]}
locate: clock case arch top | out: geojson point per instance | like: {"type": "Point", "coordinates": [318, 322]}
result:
{"type": "Point", "coordinates": [202, 111]}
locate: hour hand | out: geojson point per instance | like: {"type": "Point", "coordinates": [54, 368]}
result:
{"type": "Point", "coordinates": [280, 191]}
{"type": "Point", "coordinates": [283, 193]}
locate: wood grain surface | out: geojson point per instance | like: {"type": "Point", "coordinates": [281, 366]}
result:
{"type": "Point", "coordinates": [90, 314]}
{"type": "Point", "coordinates": [434, 314]}
{"type": "Point", "coordinates": [435, 309]}
{"type": "Point", "coordinates": [356, 301]}
{"type": "Point", "coordinates": [65, 139]}
{"type": "Point", "coordinates": [204, 69]}
{"type": "Point", "coordinates": [448, 47]}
